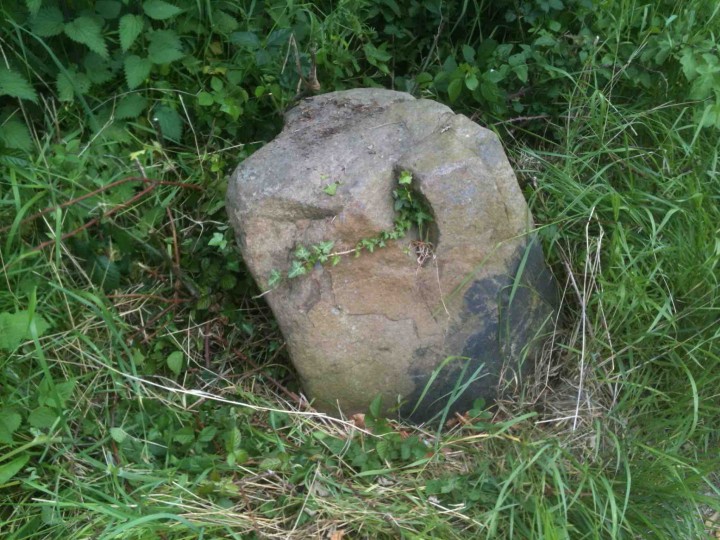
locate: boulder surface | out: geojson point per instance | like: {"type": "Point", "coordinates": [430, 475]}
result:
{"type": "Point", "coordinates": [433, 320]}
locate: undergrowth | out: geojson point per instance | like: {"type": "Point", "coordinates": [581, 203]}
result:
{"type": "Point", "coordinates": [145, 389]}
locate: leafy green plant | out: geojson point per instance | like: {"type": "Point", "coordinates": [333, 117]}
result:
{"type": "Point", "coordinates": [146, 393]}
{"type": "Point", "coordinates": [410, 211]}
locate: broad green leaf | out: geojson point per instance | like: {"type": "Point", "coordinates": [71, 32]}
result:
{"type": "Point", "coordinates": [130, 28]}
{"type": "Point", "coordinates": [228, 282]}
{"type": "Point", "coordinates": [471, 81]}
{"type": "Point", "coordinates": [9, 423]}
{"type": "Point", "coordinates": [136, 70]}
{"type": "Point", "coordinates": [205, 99]}
{"type": "Point", "coordinates": [71, 83]}
{"type": "Point", "coordinates": [245, 39]}
{"type": "Point", "coordinates": [703, 86]}
{"type": "Point", "coordinates": [14, 84]}
{"type": "Point", "coordinates": [118, 434]}
{"type": "Point", "coordinates": [48, 22]}
{"type": "Point", "coordinates": [87, 31]}
{"type": "Point", "coordinates": [165, 47]}
{"type": "Point", "coordinates": [207, 434]}
{"type": "Point", "coordinates": [376, 406]}
{"type": "Point", "coordinates": [33, 6]}
{"type": "Point", "coordinates": [105, 272]}
{"type": "Point", "coordinates": [42, 418]}
{"type": "Point", "coordinates": [11, 468]}
{"type": "Point", "coordinates": [108, 9]}
{"type": "Point", "coordinates": [374, 53]}
{"type": "Point", "coordinates": [689, 65]}
{"type": "Point", "coordinates": [97, 69]}
{"type": "Point", "coordinates": [15, 134]}
{"type": "Point", "coordinates": [454, 89]}
{"type": "Point", "coordinates": [521, 70]}
{"type": "Point", "coordinates": [64, 87]}
{"type": "Point", "coordinates": [184, 435]}
{"type": "Point", "coordinates": [160, 10]}
{"type": "Point", "coordinates": [218, 240]}
{"type": "Point", "coordinates": [131, 106]}
{"type": "Point", "coordinates": [175, 361]}
{"type": "Point", "coordinates": [383, 449]}
{"type": "Point", "coordinates": [468, 54]}
{"type": "Point", "coordinates": [270, 463]}
{"type": "Point", "coordinates": [14, 328]}
{"type": "Point", "coordinates": [224, 23]}
{"type": "Point", "coordinates": [63, 390]}
{"type": "Point", "coordinates": [169, 121]}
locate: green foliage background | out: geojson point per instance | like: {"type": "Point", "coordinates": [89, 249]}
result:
{"type": "Point", "coordinates": [144, 391]}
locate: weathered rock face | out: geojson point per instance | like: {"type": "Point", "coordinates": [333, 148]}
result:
{"type": "Point", "coordinates": [383, 323]}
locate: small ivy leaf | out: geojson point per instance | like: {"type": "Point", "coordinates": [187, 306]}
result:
{"type": "Point", "coordinates": [275, 278]}
{"type": "Point", "coordinates": [331, 189]}
{"type": "Point", "coordinates": [175, 361]}
{"type": "Point", "coordinates": [335, 260]}
{"type": "Point", "coordinates": [10, 469]}
{"type": "Point", "coordinates": [302, 253]}
{"type": "Point", "coordinates": [405, 179]}
{"type": "Point", "coordinates": [326, 247]}
{"type": "Point", "coordinates": [14, 84]}
{"type": "Point", "coordinates": [296, 269]}
{"type": "Point", "coordinates": [130, 27]}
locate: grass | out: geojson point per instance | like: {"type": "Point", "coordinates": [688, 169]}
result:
{"type": "Point", "coordinates": [146, 394]}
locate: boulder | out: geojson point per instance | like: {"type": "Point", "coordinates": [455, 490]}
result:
{"type": "Point", "coordinates": [431, 321]}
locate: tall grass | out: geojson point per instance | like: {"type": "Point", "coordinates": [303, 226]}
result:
{"type": "Point", "coordinates": [145, 394]}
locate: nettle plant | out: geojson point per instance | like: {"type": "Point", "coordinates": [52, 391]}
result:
{"type": "Point", "coordinates": [411, 211]}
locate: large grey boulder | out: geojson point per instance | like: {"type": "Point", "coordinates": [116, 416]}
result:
{"type": "Point", "coordinates": [446, 328]}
